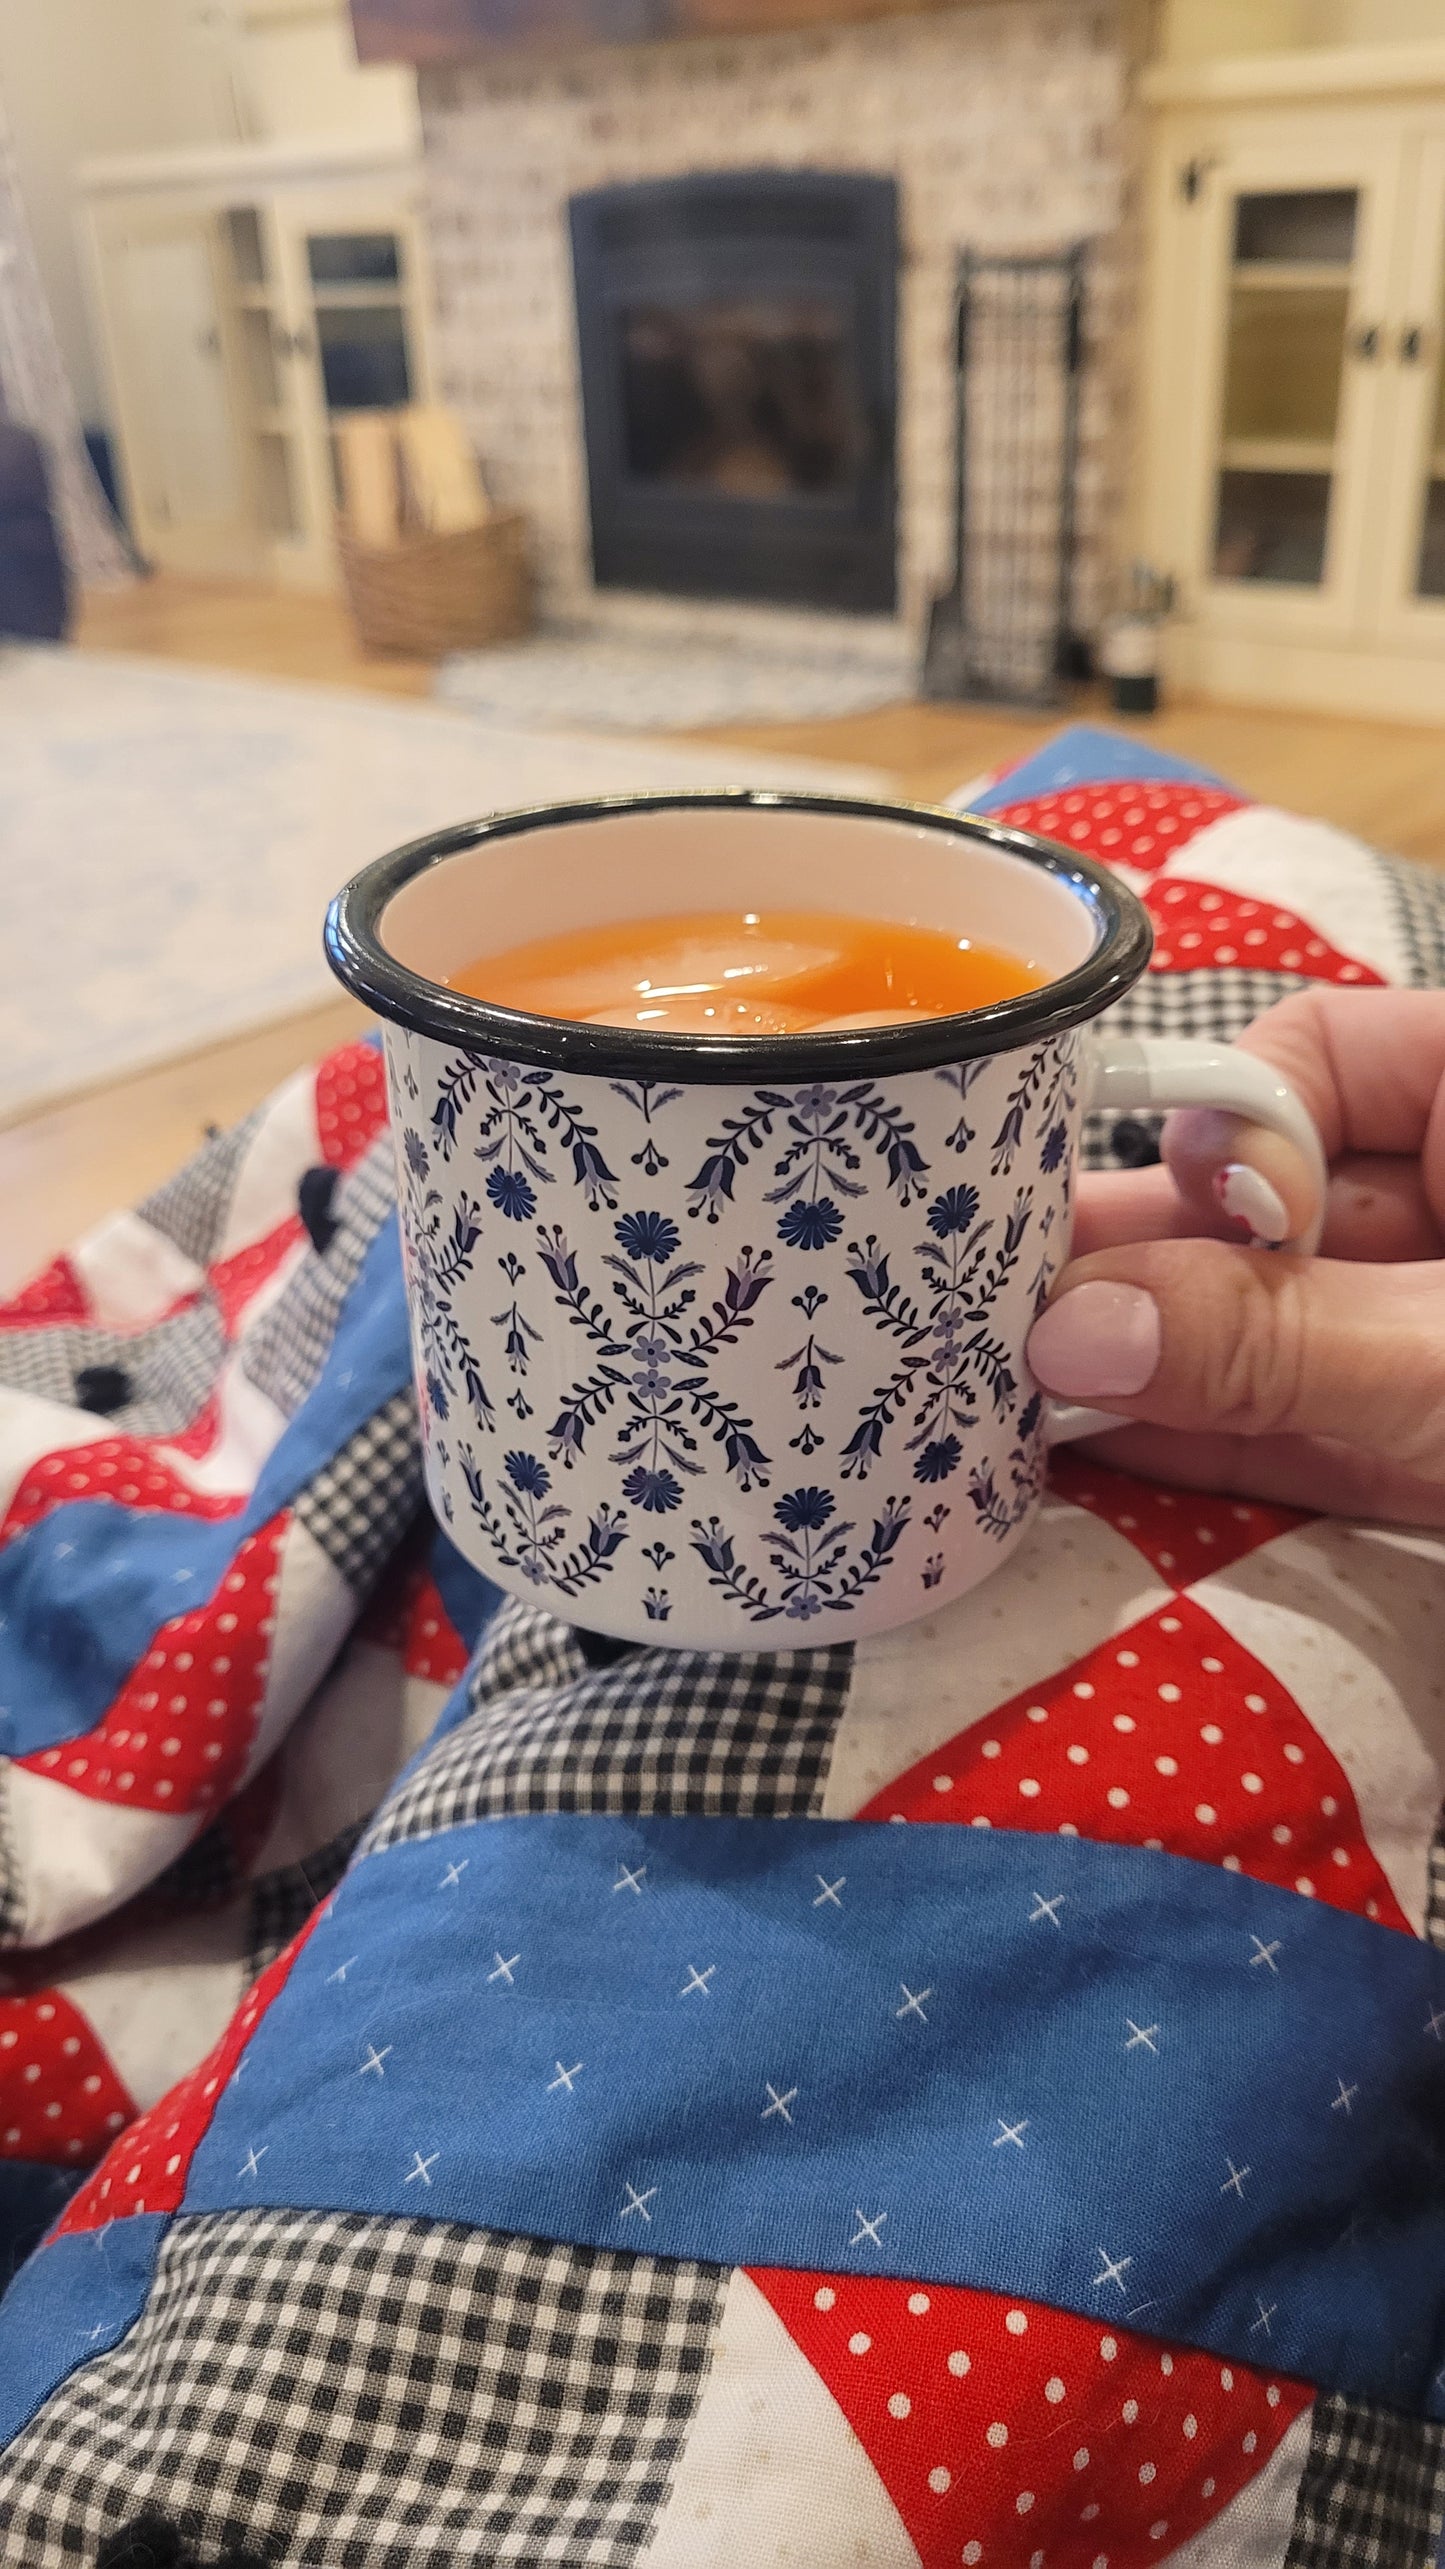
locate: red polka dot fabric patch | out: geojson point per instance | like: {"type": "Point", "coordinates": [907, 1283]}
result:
{"type": "Point", "coordinates": [1140, 826]}
{"type": "Point", "coordinates": [131, 1471]}
{"type": "Point", "coordinates": [146, 2169]}
{"type": "Point", "coordinates": [55, 1295]}
{"type": "Point", "coordinates": [61, 2100]}
{"type": "Point", "coordinates": [433, 1649]}
{"type": "Point", "coordinates": [350, 1103]}
{"type": "Point", "coordinates": [1005, 2432]}
{"type": "Point", "coordinates": [1183, 1534]}
{"type": "Point", "coordinates": [1168, 1735]}
{"type": "Point", "coordinates": [236, 1281]}
{"type": "Point", "coordinates": [1198, 928]}
{"type": "Point", "coordinates": [179, 1732]}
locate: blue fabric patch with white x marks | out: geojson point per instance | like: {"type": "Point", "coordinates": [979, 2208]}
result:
{"type": "Point", "coordinates": [1131, 2085]}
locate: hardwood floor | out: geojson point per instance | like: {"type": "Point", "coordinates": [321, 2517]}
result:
{"type": "Point", "coordinates": [61, 1169]}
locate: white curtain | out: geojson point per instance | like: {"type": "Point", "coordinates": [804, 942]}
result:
{"type": "Point", "coordinates": [35, 392]}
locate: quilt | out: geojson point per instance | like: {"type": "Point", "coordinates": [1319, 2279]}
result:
{"type": "Point", "coordinates": [470, 2089]}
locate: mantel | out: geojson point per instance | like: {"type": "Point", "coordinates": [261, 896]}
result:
{"type": "Point", "coordinates": [1349, 72]}
{"type": "Point", "coordinates": [210, 167]}
{"type": "Point", "coordinates": [419, 31]}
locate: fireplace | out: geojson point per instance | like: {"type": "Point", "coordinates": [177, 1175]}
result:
{"type": "Point", "coordinates": [736, 340]}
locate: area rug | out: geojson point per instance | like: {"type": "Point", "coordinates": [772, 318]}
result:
{"type": "Point", "coordinates": [670, 683]}
{"type": "Point", "coordinates": [169, 840]}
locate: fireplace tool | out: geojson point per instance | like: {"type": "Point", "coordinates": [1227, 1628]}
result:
{"type": "Point", "coordinates": [1003, 629]}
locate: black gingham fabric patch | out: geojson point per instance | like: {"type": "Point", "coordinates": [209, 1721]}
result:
{"type": "Point", "coordinates": [1417, 906]}
{"type": "Point", "coordinates": [360, 1504]}
{"type": "Point", "coordinates": [332, 2391]}
{"type": "Point", "coordinates": [1211, 1007]}
{"type": "Point", "coordinates": [524, 1645]}
{"type": "Point", "coordinates": [1372, 2492]}
{"type": "Point", "coordinates": [286, 1350]}
{"type": "Point", "coordinates": [191, 1207]}
{"type": "Point", "coordinates": [282, 1901]}
{"type": "Point", "coordinates": [667, 1731]}
{"type": "Point", "coordinates": [172, 1366]}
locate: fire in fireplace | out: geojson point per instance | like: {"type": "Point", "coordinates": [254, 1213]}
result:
{"type": "Point", "coordinates": [736, 335]}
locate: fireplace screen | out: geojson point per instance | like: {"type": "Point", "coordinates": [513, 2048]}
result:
{"type": "Point", "coordinates": [736, 337]}
{"type": "Point", "coordinates": [752, 399]}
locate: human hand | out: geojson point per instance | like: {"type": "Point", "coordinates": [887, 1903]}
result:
{"type": "Point", "coordinates": [1316, 1382]}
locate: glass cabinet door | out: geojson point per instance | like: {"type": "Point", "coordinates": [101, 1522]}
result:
{"type": "Point", "coordinates": [1286, 338]}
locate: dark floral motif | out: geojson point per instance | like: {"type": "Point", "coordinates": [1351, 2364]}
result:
{"type": "Point", "coordinates": [650, 1374]}
{"type": "Point", "coordinates": [1046, 1091]}
{"type": "Point", "coordinates": [999, 1509]}
{"type": "Point", "coordinates": [810, 1226]}
{"type": "Point", "coordinates": [417, 1159]}
{"type": "Point", "coordinates": [805, 1364]}
{"type": "Point", "coordinates": [950, 1353]}
{"type": "Point", "coordinates": [438, 1250]}
{"type": "Point", "coordinates": [938, 1459]}
{"type": "Point", "coordinates": [656, 1604]}
{"type": "Point", "coordinates": [1056, 1142]}
{"type": "Point", "coordinates": [827, 1132]}
{"type": "Point", "coordinates": [648, 1235]}
{"type": "Point", "coordinates": [955, 1210]}
{"type": "Point", "coordinates": [528, 1529]}
{"type": "Point", "coordinates": [932, 1572]}
{"type": "Point", "coordinates": [960, 1077]}
{"type": "Point", "coordinates": [655, 1492]}
{"type": "Point", "coordinates": [817, 1570]}
{"type": "Point", "coordinates": [649, 1100]}
{"type": "Point", "coordinates": [511, 1194]}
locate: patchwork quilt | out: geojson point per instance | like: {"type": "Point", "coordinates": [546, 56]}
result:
{"type": "Point", "coordinates": [485, 2092]}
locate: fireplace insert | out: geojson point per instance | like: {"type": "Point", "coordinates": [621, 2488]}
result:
{"type": "Point", "coordinates": [736, 335]}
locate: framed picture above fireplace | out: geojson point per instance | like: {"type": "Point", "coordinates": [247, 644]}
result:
{"type": "Point", "coordinates": [438, 30]}
{"type": "Point", "coordinates": [736, 336]}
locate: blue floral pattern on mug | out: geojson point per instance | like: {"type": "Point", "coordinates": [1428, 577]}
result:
{"type": "Point", "coordinates": [759, 1349]}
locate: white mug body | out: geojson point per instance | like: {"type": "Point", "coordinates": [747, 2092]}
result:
{"type": "Point", "coordinates": [723, 1366]}
{"type": "Point", "coordinates": [721, 1344]}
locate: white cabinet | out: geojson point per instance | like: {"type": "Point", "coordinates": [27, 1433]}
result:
{"type": "Point", "coordinates": [1295, 401]}
{"type": "Point", "coordinates": [244, 301]}
{"type": "Point", "coordinates": [176, 392]}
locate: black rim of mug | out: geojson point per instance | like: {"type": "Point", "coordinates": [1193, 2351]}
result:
{"type": "Point", "coordinates": [358, 957]}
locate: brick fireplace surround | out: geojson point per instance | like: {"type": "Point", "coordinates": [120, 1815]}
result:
{"type": "Point", "coordinates": [1007, 126]}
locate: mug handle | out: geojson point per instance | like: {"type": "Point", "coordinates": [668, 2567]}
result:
{"type": "Point", "coordinates": [1127, 1072]}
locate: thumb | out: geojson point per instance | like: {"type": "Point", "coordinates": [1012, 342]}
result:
{"type": "Point", "coordinates": [1194, 1335]}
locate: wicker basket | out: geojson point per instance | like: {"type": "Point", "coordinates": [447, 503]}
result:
{"type": "Point", "coordinates": [429, 594]}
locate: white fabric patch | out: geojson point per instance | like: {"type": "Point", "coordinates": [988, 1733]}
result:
{"type": "Point", "coordinates": [772, 2475]}
{"type": "Point", "coordinates": [1255, 2528]}
{"type": "Point", "coordinates": [1351, 1620]}
{"type": "Point", "coordinates": [76, 1858]}
{"type": "Point", "coordinates": [165, 1996]}
{"type": "Point", "coordinates": [1072, 1582]}
{"type": "Point", "coordinates": [248, 1427]}
{"type": "Point", "coordinates": [353, 1738]}
{"type": "Point", "coordinates": [312, 1610]}
{"type": "Point", "coordinates": [285, 1144]}
{"type": "Point", "coordinates": [1328, 878]}
{"type": "Point", "coordinates": [132, 1274]}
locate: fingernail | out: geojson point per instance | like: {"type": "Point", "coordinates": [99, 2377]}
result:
{"type": "Point", "coordinates": [1098, 1342]}
{"type": "Point", "coordinates": [1249, 1198]}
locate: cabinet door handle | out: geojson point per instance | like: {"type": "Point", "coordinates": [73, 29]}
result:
{"type": "Point", "coordinates": [291, 343]}
{"type": "Point", "coordinates": [1365, 342]}
{"type": "Point", "coordinates": [1412, 344]}
{"type": "Point", "coordinates": [209, 342]}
